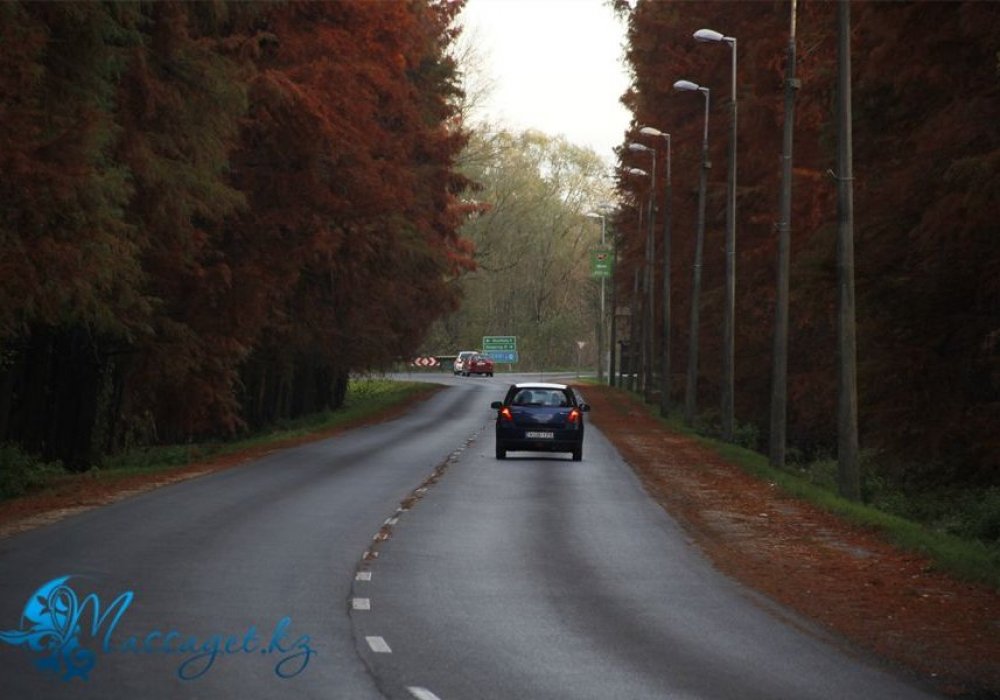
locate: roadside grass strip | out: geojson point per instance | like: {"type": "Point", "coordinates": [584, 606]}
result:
{"type": "Point", "coordinates": [970, 560]}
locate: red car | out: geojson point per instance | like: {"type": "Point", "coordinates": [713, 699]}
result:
{"type": "Point", "coordinates": [478, 364]}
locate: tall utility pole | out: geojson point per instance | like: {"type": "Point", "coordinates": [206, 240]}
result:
{"type": "Point", "coordinates": [651, 249]}
{"type": "Point", "coordinates": [779, 370]}
{"type": "Point", "coordinates": [647, 275]}
{"type": "Point", "coordinates": [691, 390]}
{"type": "Point", "coordinates": [634, 335]}
{"type": "Point", "coordinates": [612, 381]}
{"type": "Point", "coordinates": [665, 369]}
{"type": "Point", "coordinates": [647, 322]}
{"type": "Point", "coordinates": [600, 324]}
{"type": "Point", "coordinates": [633, 342]}
{"type": "Point", "coordinates": [729, 333]}
{"type": "Point", "coordinates": [650, 277]}
{"type": "Point", "coordinates": [613, 340]}
{"type": "Point", "coordinates": [847, 391]}
{"type": "Point", "coordinates": [645, 305]}
{"type": "Point", "coordinates": [602, 315]}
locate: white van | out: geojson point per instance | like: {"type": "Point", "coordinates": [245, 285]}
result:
{"type": "Point", "coordinates": [459, 367]}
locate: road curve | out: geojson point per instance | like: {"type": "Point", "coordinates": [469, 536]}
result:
{"type": "Point", "coordinates": [535, 577]}
{"type": "Point", "coordinates": [230, 552]}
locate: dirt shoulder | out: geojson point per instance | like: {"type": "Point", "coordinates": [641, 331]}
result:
{"type": "Point", "coordinates": [849, 579]}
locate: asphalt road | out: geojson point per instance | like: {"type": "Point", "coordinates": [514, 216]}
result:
{"type": "Point", "coordinates": [535, 577]}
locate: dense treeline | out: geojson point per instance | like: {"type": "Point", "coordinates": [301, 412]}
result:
{"type": "Point", "coordinates": [210, 213]}
{"type": "Point", "coordinates": [532, 238]}
{"type": "Point", "coordinates": [927, 181]}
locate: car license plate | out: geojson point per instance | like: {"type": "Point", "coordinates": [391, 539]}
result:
{"type": "Point", "coordinates": [544, 435]}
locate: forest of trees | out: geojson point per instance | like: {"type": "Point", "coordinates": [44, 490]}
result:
{"type": "Point", "coordinates": [211, 213]}
{"type": "Point", "coordinates": [926, 128]}
{"type": "Point", "coordinates": [532, 237]}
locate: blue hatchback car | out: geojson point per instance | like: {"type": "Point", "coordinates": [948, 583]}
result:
{"type": "Point", "coordinates": [540, 417]}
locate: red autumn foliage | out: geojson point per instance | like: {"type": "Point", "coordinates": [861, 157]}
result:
{"type": "Point", "coordinates": [926, 150]}
{"type": "Point", "coordinates": [215, 212]}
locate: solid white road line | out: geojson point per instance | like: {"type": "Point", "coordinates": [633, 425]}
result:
{"type": "Point", "coordinates": [378, 645]}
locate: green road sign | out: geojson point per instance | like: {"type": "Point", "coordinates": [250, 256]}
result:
{"type": "Point", "coordinates": [499, 343]}
{"type": "Point", "coordinates": [601, 262]}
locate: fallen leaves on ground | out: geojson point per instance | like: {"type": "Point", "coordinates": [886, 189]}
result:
{"type": "Point", "coordinates": [848, 578]}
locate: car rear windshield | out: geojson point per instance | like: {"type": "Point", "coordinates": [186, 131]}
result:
{"type": "Point", "coordinates": [541, 397]}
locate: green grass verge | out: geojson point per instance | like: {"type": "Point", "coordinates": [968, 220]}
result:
{"type": "Point", "coordinates": [366, 398]}
{"type": "Point", "coordinates": [970, 560]}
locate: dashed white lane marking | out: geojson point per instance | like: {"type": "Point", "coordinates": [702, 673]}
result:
{"type": "Point", "coordinates": [392, 521]}
{"type": "Point", "coordinates": [378, 645]}
{"type": "Point", "coordinates": [363, 576]}
{"type": "Point", "coordinates": [422, 693]}
{"type": "Point", "coordinates": [361, 603]}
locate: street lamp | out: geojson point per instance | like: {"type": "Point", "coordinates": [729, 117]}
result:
{"type": "Point", "coordinates": [648, 278]}
{"type": "Point", "coordinates": [633, 379]}
{"type": "Point", "coordinates": [665, 359]}
{"type": "Point", "coordinates": [691, 390]}
{"type": "Point", "coordinates": [728, 333]}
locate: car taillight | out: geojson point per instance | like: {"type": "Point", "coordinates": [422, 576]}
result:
{"type": "Point", "coordinates": [574, 416]}
{"type": "Point", "coordinates": [506, 415]}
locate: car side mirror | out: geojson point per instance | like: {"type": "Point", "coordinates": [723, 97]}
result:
{"type": "Point", "coordinates": [584, 407]}
{"type": "Point", "coordinates": [497, 405]}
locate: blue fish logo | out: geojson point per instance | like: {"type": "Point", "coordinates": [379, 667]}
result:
{"type": "Point", "coordinates": [50, 624]}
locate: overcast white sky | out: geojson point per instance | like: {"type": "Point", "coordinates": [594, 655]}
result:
{"type": "Point", "coordinates": [557, 67]}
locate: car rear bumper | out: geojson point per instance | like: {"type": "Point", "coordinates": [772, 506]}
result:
{"type": "Point", "coordinates": [540, 445]}
{"type": "Point", "coordinates": [561, 441]}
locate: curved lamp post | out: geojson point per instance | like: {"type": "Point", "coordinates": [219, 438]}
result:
{"type": "Point", "coordinates": [633, 379]}
{"type": "Point", "coordinates": [728, 334]}
{"type": "Point", "coordinates": [691, 389]}
{"type": "Point", "coordinates": [648, 279]}
{"type": "Point", "coordinates": [665, 357]}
